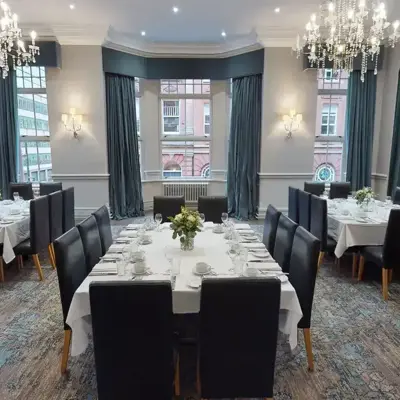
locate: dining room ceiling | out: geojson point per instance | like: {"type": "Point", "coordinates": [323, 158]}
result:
{"type": "Point", "coordinates": [197, 24]}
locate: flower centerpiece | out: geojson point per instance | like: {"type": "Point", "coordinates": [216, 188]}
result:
{"type": "Point", "coordinates": [186, 224]}
{"type": "Point", "coordinates": [364, 196]}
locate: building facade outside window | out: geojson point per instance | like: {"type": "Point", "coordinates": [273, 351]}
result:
{"type": "Point", "coordinates": [185, 127]}
{"type": "Point", "coordinates": [329, 148]}
{"type": "Point", "coordinates": [34, 161]}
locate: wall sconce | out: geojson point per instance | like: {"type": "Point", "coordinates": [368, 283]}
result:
{"type": "Point", "coordinates": [72, 122]}
{"type": "Point", "coordinates": [292, 122]}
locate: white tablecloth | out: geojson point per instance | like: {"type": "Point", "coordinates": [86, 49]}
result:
{"type": "Point", "coordinates": [14, 233]}
{"type": "Point", "coordinates": [209, 247]}
{"type": "Point", "coordinates": [348, 231]}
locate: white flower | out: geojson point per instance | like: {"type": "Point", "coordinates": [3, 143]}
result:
{"type": "Point", "coordinates": [178, 217]}
{"type": "Point", "coordinates": [192, 219]}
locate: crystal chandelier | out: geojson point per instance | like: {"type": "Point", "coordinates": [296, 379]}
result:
{"type": "Point", "coordinates": [12, 48]}
{"type": "Point", "coordinates": [346, 29]}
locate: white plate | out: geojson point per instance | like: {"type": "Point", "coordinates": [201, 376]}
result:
{"type": "Point", "coordinates": [145, 272]}
{"type": "Point", "coordinates": [201, 273]}
{"type": "Point", "coordinates": [195, 283]}
{"type": "Point", "coordinates": [265, 255]}
{"type": "Point", "coordinates": [145, 242]}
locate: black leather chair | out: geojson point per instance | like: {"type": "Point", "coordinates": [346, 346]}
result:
{"type": "Point", "coordinates": [55, 220]}
{"type": "Point", "coordinates": [396, 198]}
{"type": "Point", "coordinates": [104, 224]}
{"type": "Point", "coordinates": [304, 209]}
{"type": "Point", "coordinates": [303, 272]}
{"type": "Point", "coordinates": [387, 256]}
{"type": "Point", "coordinates": [340, 190]}
{"type": "Point", "coordinates": [49, 187]}
{"type": "Point", "coordinates": [316, 188]}
{"type": "Point", "coordinates": [319, 227]}
{"type": "Point", "coordinates": [284, 242]}
{"type": "Point", "coordinates": [68, 209]}
{"type": "Point", "coordinates": [168, 206]}
{"type": "Point", "coordinates": [133, 356]}
{"type": "Point", "coordinates": [71, 271]}
{"type": "Point", "coordinates": [237, 352]}
{"type": "Point", "coordinates": [212, 207]}
{"type": "Point", "coordinates": [293, 211]}
{"type": "Point", "coordinates": [90, 236]}
{"type": "Point", "coordinates": [39, 233]}
{"type": "Point", "coordinates": [24, 190]}
{"type": "Point", "coordinates": [270, 226]}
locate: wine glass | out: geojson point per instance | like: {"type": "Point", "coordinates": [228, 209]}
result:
{"type": "Point", "coordinates": [158, 219]}
{"type": "Point", "coordinates": [224, 218]}
{"type": "Point", "coordinates": [16, 196]}
{"type": "Point", "coordinates": [202, 218]}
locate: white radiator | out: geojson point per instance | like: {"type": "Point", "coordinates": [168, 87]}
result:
{"type": "Point", "coordinates": [190, 190]}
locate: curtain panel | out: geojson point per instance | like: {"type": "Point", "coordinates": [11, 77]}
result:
{"type": "Point", "coordinates": [125, 184]}
{"type": "Point", "coordinates": [360, 118]}
{"type": "Point", "coordinates": [245, 147]}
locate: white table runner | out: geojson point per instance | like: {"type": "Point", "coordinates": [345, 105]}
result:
{"type": "Point", "coordinates": [209, 247]}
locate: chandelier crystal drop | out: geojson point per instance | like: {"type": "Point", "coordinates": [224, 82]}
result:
{"type": "Point", "coordinates": [346, 29]}
{"type": "Point", "coordinates": [12, 48]}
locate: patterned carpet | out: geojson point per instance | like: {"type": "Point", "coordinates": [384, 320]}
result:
{"type": "Point", "coordinates": [356, 340]}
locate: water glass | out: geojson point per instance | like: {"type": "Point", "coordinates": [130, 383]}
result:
{"type": "Point", "coordinates": [202, 218]}
{"type": "Point", "coordinates": [16, 196]}
{"type": "Point", "coordinates": [121, 267]}
{"type": "Point", "coordinates": [176, 266]}
{"type": "Point", "coordinates": [224, 218]}
{"type": "Point", "coordinates": [158, 219]}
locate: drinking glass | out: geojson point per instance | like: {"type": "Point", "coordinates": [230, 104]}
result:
{"type": "Point", "coordinates": [158, 219]}
{"type": "Point", "coordinates": [388, 201]}
{"type": "Point", "coordinates": [16, 196]}
{"type": "Point", "coordinates": [176, 266]}
{"type": "Point", "coordinates": [202, 218]}
{"type": "Point", "coordinates": [121, 267]}
{"type": "Point", "coordinates": [224, 218]}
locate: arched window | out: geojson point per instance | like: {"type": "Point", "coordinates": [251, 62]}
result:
{"type": "Point", "coordinates": [172, 170]}
{"type": "Point", "coordinates": [325, 173]}
{"type": "Point", "coordinates": [205, 172]}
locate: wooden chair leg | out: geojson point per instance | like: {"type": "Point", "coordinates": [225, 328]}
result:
{"type": "Point", "coordinates": [361, 268]}
{"type": "Point", "coordinates": [320, 258]}
{"type": "Point", "coordinates": [307, 341]}
{"type": "Point", "coordinates": [177, 378]}
{"type": "Point", "coordinates": [52, 252]}
{"type": "Point", "coordinates": [52, 262]}
{"type": "Point", "coordinates": [1, 269]}
{"type": "Point", "coordinates": [385, 284]}
{"type": "Point", "coordinates": [38, 266]}
{"type": "Point", "coordinates": [67, 343]}
{"type": "Point", "coordinates": [355, 262]}
{"type": "Point", "coordinates": [390, 275]}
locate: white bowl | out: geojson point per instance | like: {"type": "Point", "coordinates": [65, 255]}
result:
{"type": "Point", "coordinates": [138, 256]}
{"type": "Point", "coordinates": [202, 267]}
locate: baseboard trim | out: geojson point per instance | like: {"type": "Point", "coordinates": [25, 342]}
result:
{"type": "Point", "coordinates": [285, 175]}
{"type": "Point", "coordinates": [80, 177]}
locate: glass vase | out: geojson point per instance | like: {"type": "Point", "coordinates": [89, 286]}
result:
{"type": "Point", "coordinates": [187, 244]}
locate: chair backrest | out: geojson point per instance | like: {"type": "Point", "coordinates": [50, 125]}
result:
{"type": "Point", "coordinates": [340, 190]}
{"type": "Point", "coordinates": [167, 206]}
{"type": "Point", "coordinates": [316, 188]}
{"type": "Point", "coordinates": [212, 207]}
{"type": "Point", "coordinates": [237, 351]}
{"type": "Point", "coordinates": [71, 267]}
{"type": "Point", "coordinates": [49, 187]}
{"type": "Point", "coordinates": [396, 199]}
{"type": "Point", "coordinates": [24, 190]}
{"type": "Point", "coordinates": [90, 236]}
{"type": "Point", "coordinates": [270, 226]}
{"type": "Point", "coordinates": [293, 203]}
{"type": "Point", "coordinates": [104, 224]}
{"type": "Point", "coordinates": [55, 215]}
{"type": "Point", "coordinates": [68, 209]}
{"type": "Point", "coordinates": [304, 209]}
{"type": "Point", "coordinates": [134, 355]}
{"type": "Point", "coordinates": [391, 248]}
{"type": "Point", "coordinates": [39, 224]}
{"type": "Point", "coordinates": [284, 241]}
{"type": "Point", "coordinates": [319, 220]}
{"type": "Point", "coordinates": [303, 271]}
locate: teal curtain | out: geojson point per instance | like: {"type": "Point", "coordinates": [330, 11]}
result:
{"type": "Point", "coordinates": [360, 117]}
{"type": "Point", "coordinates": [125, 184]}
{"type": "Point", "coordinates": [244, 147]}
{"type": "Point", "coordinates": [394, 169]}
{"type": "Point", "coordinates": [8, 133]}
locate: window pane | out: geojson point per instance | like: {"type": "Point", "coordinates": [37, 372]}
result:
{"type": "Point", "coordinates": [35, 161]}
{"type": "Point", "coordinates": [184, 159]}
{"type": "Point", "coordinates": [185, 86]}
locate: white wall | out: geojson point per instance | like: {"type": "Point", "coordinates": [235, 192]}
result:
{"type": "Point", "coordinates": [285, 161]}
{"type": "Point", "coordinates": [81, 162]}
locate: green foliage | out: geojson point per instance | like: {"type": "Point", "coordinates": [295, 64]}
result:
{"type": "Point", "coordinates": [186, 224]}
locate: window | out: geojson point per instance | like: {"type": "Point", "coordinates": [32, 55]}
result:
{"type": "Point", "coordinates": [33, 122]}
{"type": "Point", "coordinates": [329, 147]}
{"type": "Point", "coordinates": [205, 173]}
{"type": "Point", "coordinates": [185, 127]}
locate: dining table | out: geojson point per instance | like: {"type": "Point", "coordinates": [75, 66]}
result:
{"type": "Point", "coordinates": [209, 247]}
{"type": "Point", "coordinates": [14, 226]}
{"type": "Point", "coordinates": [351, 224]}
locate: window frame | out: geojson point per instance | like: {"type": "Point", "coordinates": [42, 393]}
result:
{"type": "Point", "coordinates": [328, 115]}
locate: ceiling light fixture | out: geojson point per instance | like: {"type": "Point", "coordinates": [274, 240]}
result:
{"type": "Point", "coordinates": [277, 10]}
{"type": "Point", "coordinates": [143, 33]}
{"type": "Point", "coordinates": [12, 48]}
{"type": "Point", "coordinates": [223, 33]}
{"type": "Point", "coordinates": [72, 6]}
{"type": "Point", "coordinates": [175, 9]}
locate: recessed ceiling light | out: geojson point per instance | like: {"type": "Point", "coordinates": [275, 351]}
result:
{"type": "Point", "coordinates": [143, 33]}
{"type": "Point", "coordinates": [72, 6]}
{"type": "Point", "coordinates": [223, 33]}
{"type": "Point", "coordinates": [175, 9]}
{"type": "Point", "coordinates": [277, 10]}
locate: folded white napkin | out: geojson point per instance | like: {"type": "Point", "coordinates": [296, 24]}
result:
{"type": "Point", "coordinates": [104, 269]}
{"type": "Point", "coordinates": [116, 248]}
{"type": "Point", "coordinates": [134, 226]}
{"type": "Point", "coordinates": [238, 227]}
{"type": "Point", "coordinates": [254, 245]}
{"type": "Point", "coordinates": [131, 234]}
{"type": "Point", "coordinates": [112, 257]}
{"type": "Point", "coordinates": [267, 266]}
